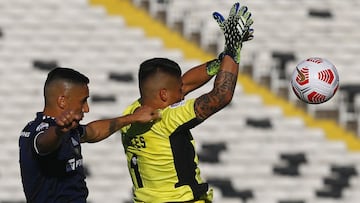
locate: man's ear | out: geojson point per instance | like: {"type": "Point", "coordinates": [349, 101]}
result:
{"type": "Point", "coordinates": [163, 95]}
{"type": "Point", "coordinates": [61, 102]}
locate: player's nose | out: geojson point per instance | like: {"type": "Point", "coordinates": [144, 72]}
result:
{"type": "Point", "coordinates": [86, 108]}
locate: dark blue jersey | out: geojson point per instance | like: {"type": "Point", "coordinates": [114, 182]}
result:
{"type": "Point", "coordinates": [55, 177]}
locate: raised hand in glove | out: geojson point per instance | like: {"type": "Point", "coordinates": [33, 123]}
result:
{"type": "Point", "coordinates": [236, 29]}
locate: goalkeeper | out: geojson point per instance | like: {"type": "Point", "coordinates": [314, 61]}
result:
{"type": "Point", "coordinates": [161, 154]}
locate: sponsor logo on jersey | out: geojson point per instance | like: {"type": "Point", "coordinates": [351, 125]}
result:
{"type": "Point", "coordinates": [24, 134]}
{"type": "Point", "coordinates": [42, 126]}
{"type": "Point", "coordinates": [181, 103]}
{"type": "Point", "coordinates": [73, 164]}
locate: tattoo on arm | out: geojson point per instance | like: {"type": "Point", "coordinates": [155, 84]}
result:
{"type": "Point", "coordinates": [112, 126]}
{"type": "Point", "coordinates": [210, 103]}
{"type": "Point", "coordinates": [99, 130]}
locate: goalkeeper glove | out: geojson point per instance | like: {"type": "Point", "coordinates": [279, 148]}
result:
{"type": "Point", "coordinates": [236, 29]}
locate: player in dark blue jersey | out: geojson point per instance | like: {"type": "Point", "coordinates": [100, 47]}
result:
{"type": "Point", "coordinates": [50, 153]}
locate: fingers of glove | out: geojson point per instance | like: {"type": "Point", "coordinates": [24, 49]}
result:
{"type": "Point", "coordinates": [245, 17]}
{"type": "Point", "coordinates": [248, 35]}
{"type": "Point", "coordinates": [219, 19]}
{"type": "Point", "coordinates": [245, 25]}
{"type": "Point", "coordinates": [249, 22]}
{"type": "Point", "coordinates": [244, 13]}
{"type": "Point", "coordinates": [234, 10]}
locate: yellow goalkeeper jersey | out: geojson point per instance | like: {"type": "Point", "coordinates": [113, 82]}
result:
{"type": "Point", "coordinates": [161, 156]}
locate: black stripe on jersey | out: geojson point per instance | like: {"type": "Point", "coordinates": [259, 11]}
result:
{"type": "Point", "coordinates": [184, 155]}
{"type": "Point", "coordinates": [135, 167]}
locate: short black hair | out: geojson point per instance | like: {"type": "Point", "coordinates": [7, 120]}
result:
{"type": "Point", "coordinates": [150, 67]}
{"type": "Point", "coordinates": [66, 74]}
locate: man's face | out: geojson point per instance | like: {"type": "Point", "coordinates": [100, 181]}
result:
{"type": "Point", "coordinates": [77, 99]}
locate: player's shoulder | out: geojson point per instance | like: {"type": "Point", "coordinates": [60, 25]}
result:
{"type": "Point", "coordinates": [181, 108]}
{"type": "Point", "coordinates": [132, 107]}
{"type": "Point", "coordinates": [176, 115]}
{"type": "Point", "coordinates": [40, 123]}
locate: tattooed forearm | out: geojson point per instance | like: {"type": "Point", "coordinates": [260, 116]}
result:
{"type": "Point", "coordinates": [219, 97]}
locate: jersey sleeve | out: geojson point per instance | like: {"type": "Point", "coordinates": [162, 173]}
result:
{"type": "Point", "coordinates": [40, 129]}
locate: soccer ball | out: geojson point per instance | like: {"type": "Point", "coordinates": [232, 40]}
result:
{"type": "Point", "coordinates": [315, 80]}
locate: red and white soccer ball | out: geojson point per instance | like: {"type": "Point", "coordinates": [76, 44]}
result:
{"type": "Point", "coordinates": [315, 80]}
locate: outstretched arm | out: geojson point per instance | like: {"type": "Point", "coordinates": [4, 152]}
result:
{"type": "Point", "coordinates": [101, 129]}
{"type": "Point", "coordinates": [223, 90]}
{"type": "Point", "coordinates": [239, 16]}
{"type": "Point", "coordinates": [236, 29]}
{"type": "Point", "coordinates": [50, 139]}
{"type": "Point", "coordinates": [199, 75]}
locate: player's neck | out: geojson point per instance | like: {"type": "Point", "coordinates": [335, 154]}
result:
{"type": "Point", "coordinates": [153, 103]}
{"type": "Point", "coordinates": [51, 112]}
